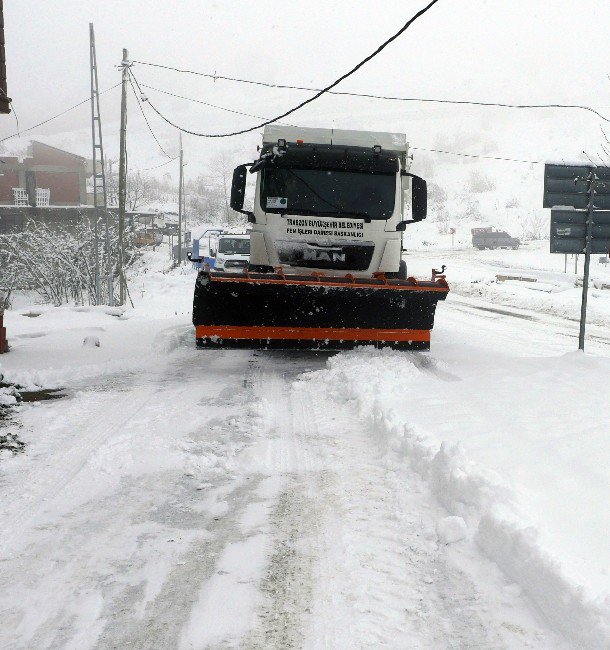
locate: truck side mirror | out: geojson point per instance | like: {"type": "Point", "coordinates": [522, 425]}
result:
{"type": "Point", "coordinates": [419, 198]}
{"type": "Point", "coordinates": [238, 188]}
{"type": "Point", "coordinates": [238, 192]}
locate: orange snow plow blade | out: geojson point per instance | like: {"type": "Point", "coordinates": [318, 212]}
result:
{"type": "Point", "coordinates": [316, 312]}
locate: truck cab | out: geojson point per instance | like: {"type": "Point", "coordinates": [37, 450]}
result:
{"type": "Point", "coordinates": [330, 200]}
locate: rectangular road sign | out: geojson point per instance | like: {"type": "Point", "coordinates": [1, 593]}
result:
{"type": "Point", "coordinates": [567, 185]}
{"type": "Point", "coordinates": [569, 229]}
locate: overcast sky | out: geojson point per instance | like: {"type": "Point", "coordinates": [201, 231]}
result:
{"type": "Point", "coordinates": [523, 51]}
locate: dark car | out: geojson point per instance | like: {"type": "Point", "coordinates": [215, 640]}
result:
{"type": "Point", "coordinates": [483, 238]}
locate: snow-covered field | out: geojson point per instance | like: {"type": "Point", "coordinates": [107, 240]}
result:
{"type": "Point", "coordinates": [179, 498]}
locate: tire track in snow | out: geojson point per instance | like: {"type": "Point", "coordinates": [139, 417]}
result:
{"type": "Point", "coordinates": [387, 566]}
{"type": "Point", "coordinates": [96, 422]}
{"type": "Point", "coordinates": [287, 582]}
{"type": "Point", "coordinates": [98, 557]}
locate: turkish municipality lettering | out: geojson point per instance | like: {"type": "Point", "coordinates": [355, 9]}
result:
{"type": "Point", "coordinates": [324, 228]}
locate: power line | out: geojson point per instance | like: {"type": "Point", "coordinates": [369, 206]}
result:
{"type": "Point", "coordinates": [450, 153]}
{"type": "Point", "coordinates": [167, 162]}
{"type": "Point", "coordinates": [470, 155]}
{"type": "Point", "coordinates": [12, 106]}
{"type": "Point", "coordinates": [50, 119]}
{"type": "Point", "coordinates": [311, 99]}
{"type": "Point", "coordinates": [392, 98]}
{"type": "Point", "coordinates": [146, 119]}
{"type": "Point", "coordinates": [199, 101]}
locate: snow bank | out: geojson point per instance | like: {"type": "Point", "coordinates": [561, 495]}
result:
{"type": "Point", "coordinates": [563, 301]}
{"type": "Point", "coordinates": [384, 387]}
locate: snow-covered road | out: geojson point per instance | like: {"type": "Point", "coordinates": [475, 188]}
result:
{"type": "Point", "coordinates": [234, 508]}
{"type": "Point", "coordinates": [185, 499]}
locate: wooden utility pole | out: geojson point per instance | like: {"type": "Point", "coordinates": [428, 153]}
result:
{"type": "Point", "coordinates": [180, 205]}
{"type": "Point", "coordinates": [123, 176]}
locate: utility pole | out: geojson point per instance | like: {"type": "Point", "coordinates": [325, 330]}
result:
{"type": "Point", "coordinates": [585, 278]}
{"type": "Point", "coordinates": [99, 174]}
{"type": "Point", "coordinates": [180, 205]}
{"type": "Point", "coordinates": [123, 175]}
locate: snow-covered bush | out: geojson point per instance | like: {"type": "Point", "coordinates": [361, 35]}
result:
{"type": "Point", "coordinates": [58, 262]}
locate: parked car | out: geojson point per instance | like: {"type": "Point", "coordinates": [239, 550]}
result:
{"type": "Point", "coordinates": [483, 238]}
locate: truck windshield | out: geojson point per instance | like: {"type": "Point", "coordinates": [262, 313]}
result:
{"type": "Point", "coordinates": [234, 245]}
{"type": "Point", "coordinates": [328, 193]}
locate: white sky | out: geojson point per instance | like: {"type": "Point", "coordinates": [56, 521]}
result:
{"type": "Point", "coordinates": [524, 51]}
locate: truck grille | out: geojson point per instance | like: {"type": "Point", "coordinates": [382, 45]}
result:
{"type": "Point", "coordinates": [344, 257]}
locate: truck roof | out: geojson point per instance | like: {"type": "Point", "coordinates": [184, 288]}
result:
{"type": "Point", "coordinates": [235, 232]}
{"type": "Point", "coordinates": [388, 141]}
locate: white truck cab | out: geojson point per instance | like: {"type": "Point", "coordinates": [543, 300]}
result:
{"type": "Point", "coordinates": [233, 252]}
{"type": "Point", "coordinates": [330, 200]}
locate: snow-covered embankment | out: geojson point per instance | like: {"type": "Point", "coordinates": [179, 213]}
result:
{"type": "Point", "coordinates": [501, 445]}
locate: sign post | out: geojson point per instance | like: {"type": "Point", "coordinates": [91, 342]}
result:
{"type": "Point", "coordinates": [579, 198]}
{"type": "Point", "coordinates": [585, 277]}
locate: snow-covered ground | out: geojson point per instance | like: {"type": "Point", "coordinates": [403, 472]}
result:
{"type": "Point", "coordinates": [179, 498]}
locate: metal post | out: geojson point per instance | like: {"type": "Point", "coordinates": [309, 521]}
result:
{"type": "Point", "coordinates": [96, 245]}
{"type": "Point", "coordinates": [123, 175]}
{"type": "Point", "coordinates": [180, 205]}
{"type": "Point", "coordinates": [576, 264]}
{"type": "Point", "coordinates": [585, 278]}
{"type": "Point", "coordinates": [565, 263]}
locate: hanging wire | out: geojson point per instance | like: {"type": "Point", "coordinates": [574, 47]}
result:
{"type": "Point", "coordinates": [318, 94]}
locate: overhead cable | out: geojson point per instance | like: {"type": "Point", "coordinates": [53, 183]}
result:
{"type": "Point", "coordinates": [199, 101]}
{"type": "Point", "coordinates": [450, 153]}
{"type": "Point", "coordinates": [311, 99]}
{"type": "Point", "coordinates": [391, 98]}
{"type": "Point", "coordinates": [146, 119]}
{"type": "Point", "coordinates": [441, 151]}
{"type": "Point", "coordinates": [167, 162]}
{"type": "Point", "coordinates": [470, 155]}
{"type": "Point", "coordinates": [50, 119]}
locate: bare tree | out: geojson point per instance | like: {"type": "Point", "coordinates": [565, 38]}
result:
{"type": "Point", "coordinates": [141, 189]}
{"type": "Point", "coordinates": [479, 182]}
{"type": "Point", "coordinates": [534, 226]}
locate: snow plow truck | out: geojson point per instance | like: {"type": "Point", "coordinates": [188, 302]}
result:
{"type": "Point", "coordinates": [326, 271]}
